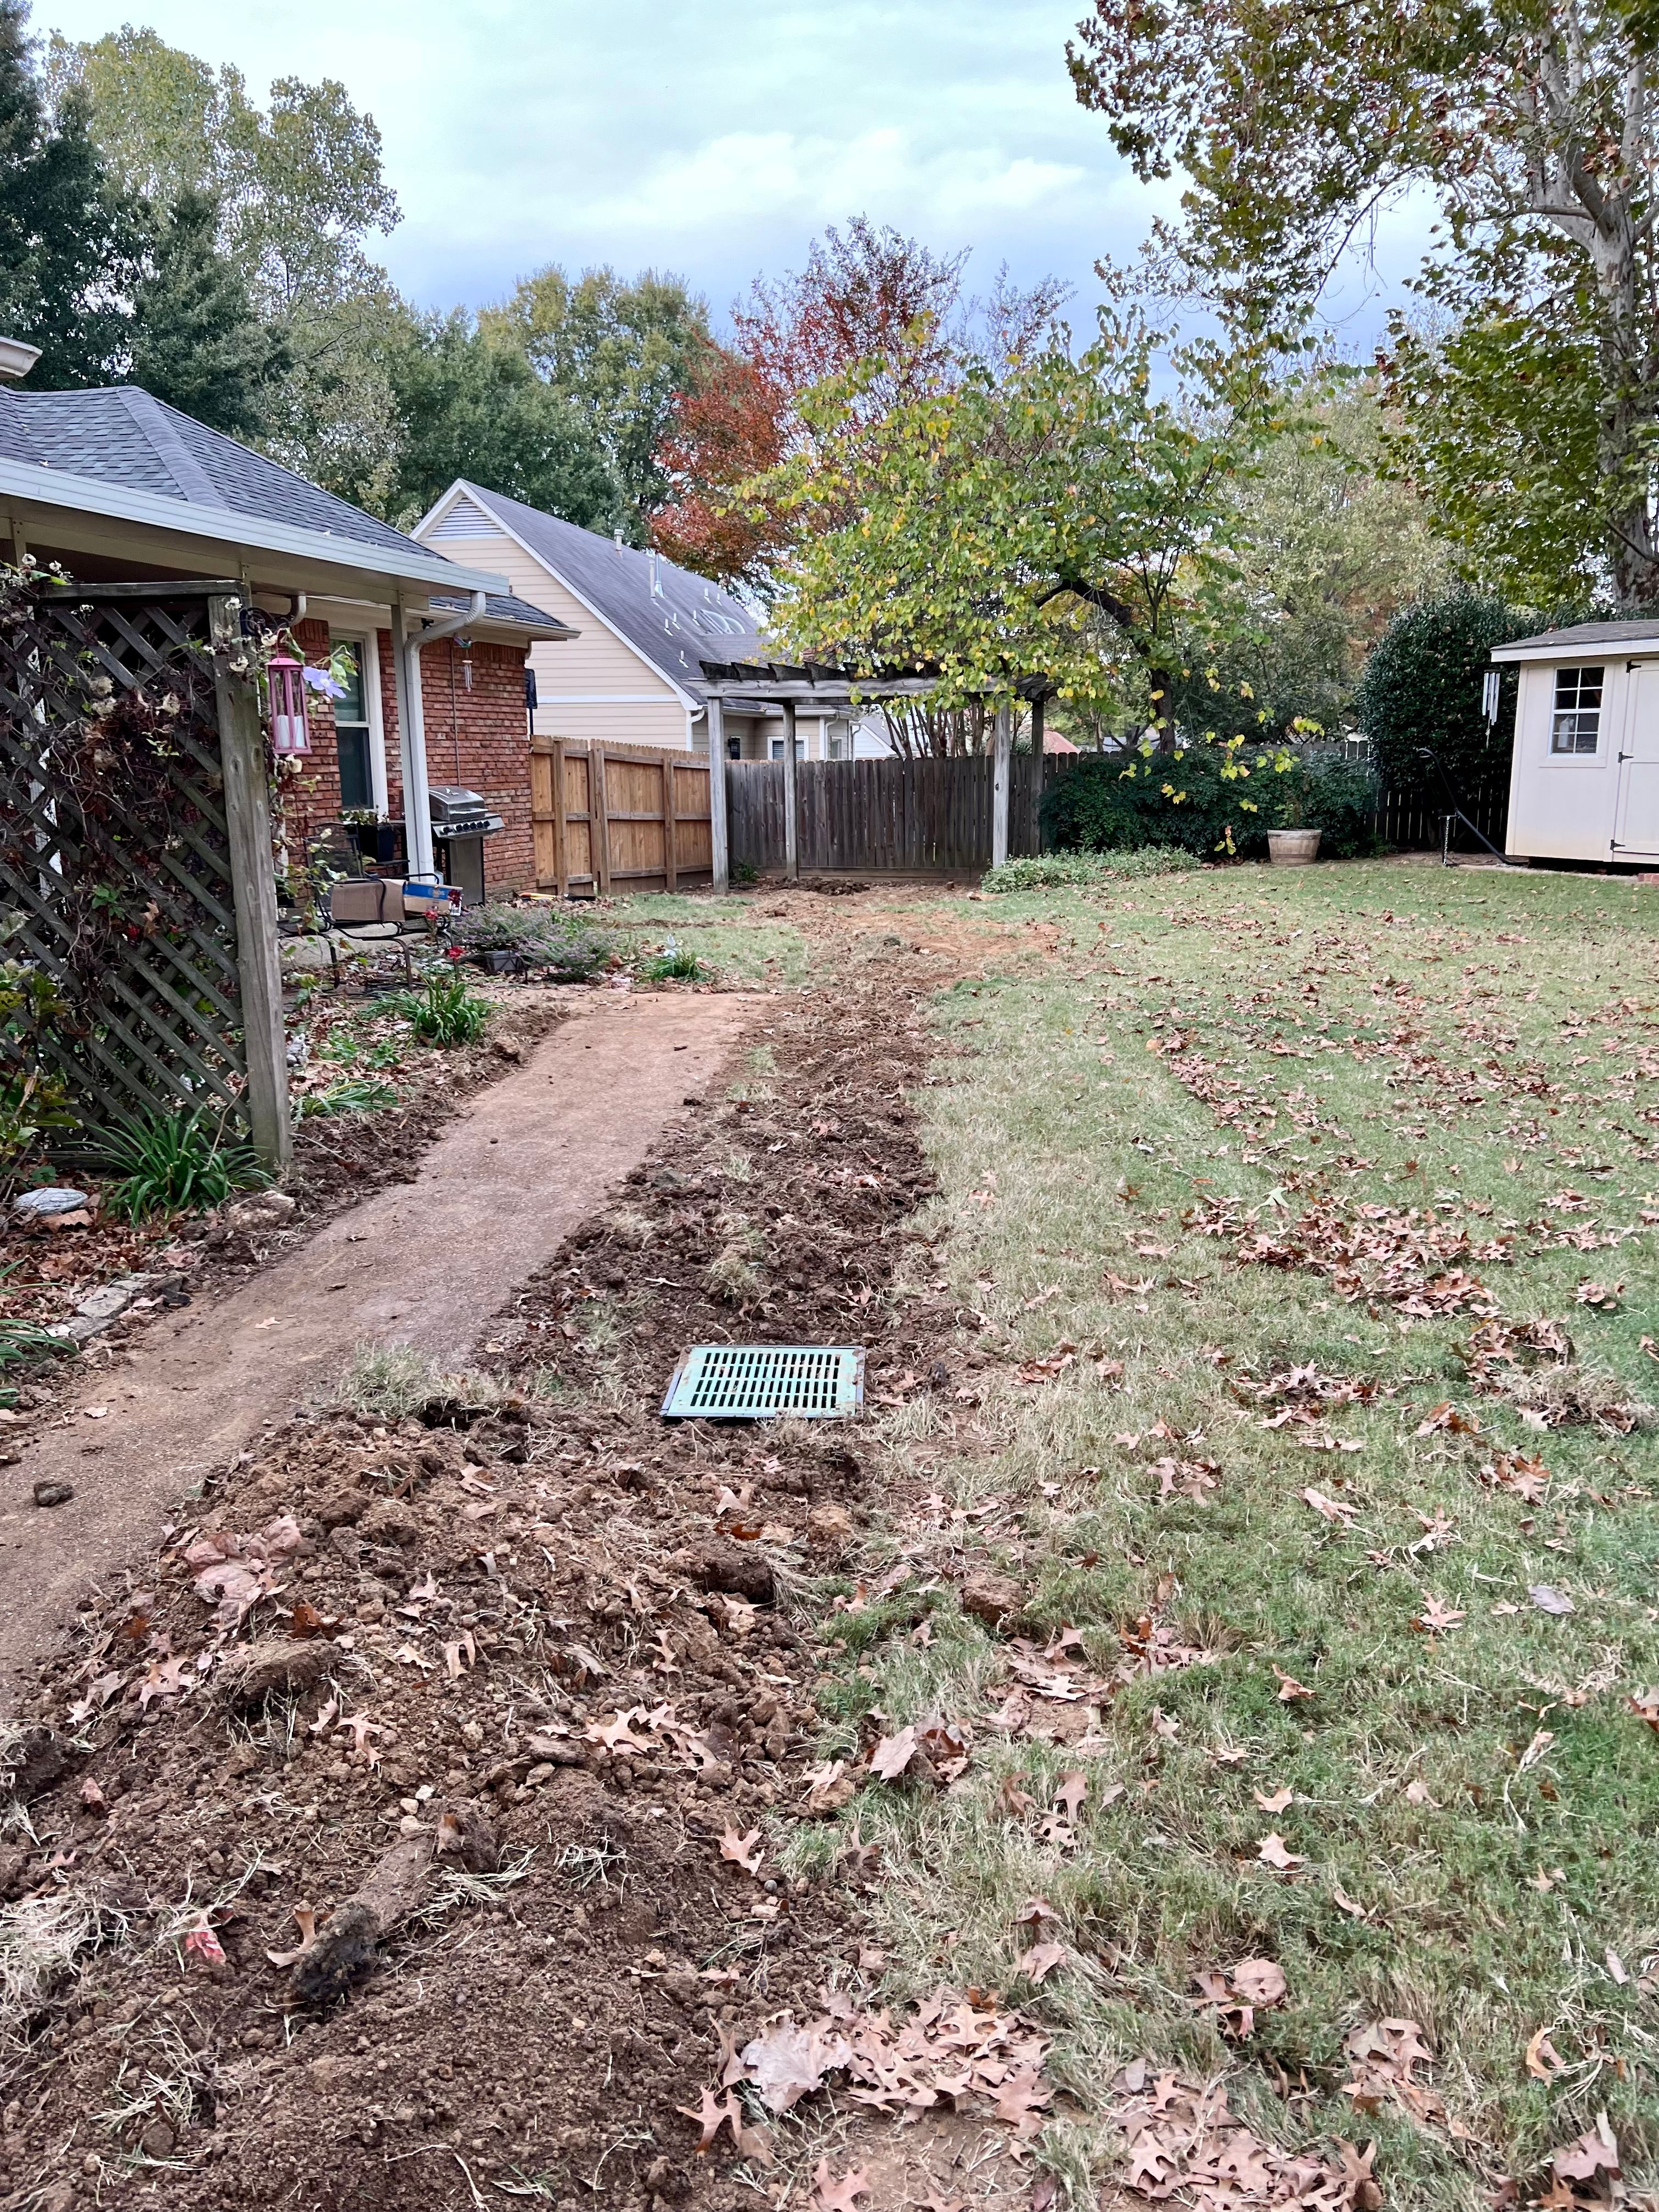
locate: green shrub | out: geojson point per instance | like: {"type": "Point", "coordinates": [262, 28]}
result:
{"type": "Point", "coordinates": [1083, 871]}
{"type": "Point", "coordinates": [33, 1101]}
{"type": "Point", "coordinates": [23, 1344]}
{"type": "Point", "coordinates": [445, 1011]}
{"type": "Point", "coordinates": [1421, 691]}
{"type": "Point", "coordinates": [174, 1160]}
{"type": "Point", "coordinates": [673, 964]}
{"type": "Point", "coordinates": [1211, 796]}
{"type": "Point", "coordinates": [549, 944]}
{"type": "Point", "coordinates": [1334, 792]}
{"type": "Point", "coordinates": [359, 1094]}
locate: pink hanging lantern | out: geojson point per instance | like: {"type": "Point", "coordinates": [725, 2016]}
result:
{"type": "Point", "coordinates": [286, 687]}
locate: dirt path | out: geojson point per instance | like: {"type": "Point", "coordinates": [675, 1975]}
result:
{"type": "Point", "coordinates": [424, 1263]}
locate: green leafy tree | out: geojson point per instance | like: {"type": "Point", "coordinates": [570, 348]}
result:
{"type": "Point", "coordinates": [1327, 546]}
{"type": "Point", "coordinates": [1045, 517]}
{"type": "Point", "coordinates": [299, 190]}
{"type": "Point", "coordinates": [198, 342]}
{"type": "Point", "coordinates": [1423, 689]}
{"type": "Point", "coordinates": [1535, 126]}
{"type": "Point", "coordinates": [68, 244]}
{"type": "Point", "coordinates": [619, 355]}
{"type": "Point", "coordinates": [467, 405]}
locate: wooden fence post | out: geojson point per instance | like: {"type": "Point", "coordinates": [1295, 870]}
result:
{"type": "Point", "coordinates": [1036, 774]}
{"type": "Point", "coordinates": [1001, 776]}
{"type": "Point", "coordinates": [719, 854]}
{"type": "Point", "coordinates": [253, 884]}
{"type": "Point", "coordinates": [561, 875]}
{"type": "Point", "coordinates": [671, 859]}
{"type": "Point", "coordinates": [791, 825]}
{"type": "Point", "coordinates": [598, 819]}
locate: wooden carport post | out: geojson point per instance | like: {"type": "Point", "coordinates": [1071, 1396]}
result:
{"type": "Point", "coordinates": [1001, 776]}
{"type": "Point", "coordinates": [253, 884]}
{"type": "Point", "coordinates": [719, 854]}
{"type": "Point", "coordinates": [791, 832]}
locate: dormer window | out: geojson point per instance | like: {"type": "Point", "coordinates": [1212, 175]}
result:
{"type": "Point", "coordinates": [1575, 726]}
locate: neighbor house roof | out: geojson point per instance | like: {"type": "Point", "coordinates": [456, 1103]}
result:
{"type": "Point", "coordinates": [1556, 644]}
{"type": "Point", "coordinates": [670, 617]}
{"type": "Point", "coordinates": [117, 454]}
{"type": "Point", "coordinates": [505, 607]}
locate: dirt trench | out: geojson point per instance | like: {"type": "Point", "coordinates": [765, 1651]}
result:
{"type": "Point", "coordinates": [591, 1628]}
{"type": "Point", "coordinates": [423, 1262]}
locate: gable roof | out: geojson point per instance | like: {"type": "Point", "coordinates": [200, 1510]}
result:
{"type": "Point", "coordinates": [118, 452]}
{"type": "Point", "coordinates": [1557, 644]}
{"type": "Point", "coordinates": [670, 617]}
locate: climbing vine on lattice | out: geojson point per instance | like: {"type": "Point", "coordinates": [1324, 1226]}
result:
{"type": "Point", "coordinates": [115, 878]}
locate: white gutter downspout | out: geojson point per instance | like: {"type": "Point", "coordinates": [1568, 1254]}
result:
{"type": "Point", "coordinates": [412, 723]}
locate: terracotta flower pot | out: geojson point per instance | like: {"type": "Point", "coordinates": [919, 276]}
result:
{"type": "Point", "coordinates": [1293, 848]}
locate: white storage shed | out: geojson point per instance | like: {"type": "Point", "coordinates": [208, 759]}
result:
{"type": "Point", "coordinates": [1584, 780]}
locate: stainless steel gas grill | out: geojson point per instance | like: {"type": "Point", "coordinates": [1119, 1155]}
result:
{"type": "Point", "coordinates": [461, 820]}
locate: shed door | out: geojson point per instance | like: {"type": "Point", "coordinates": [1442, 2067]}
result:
{"type": "Point", "coordinates": [1635, 832]}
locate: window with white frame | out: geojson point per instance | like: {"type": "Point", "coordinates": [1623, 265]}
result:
{"type": "Point", "coordinates": [352, 735]}
{"type": "Point", "coordinates": [1575, 726]}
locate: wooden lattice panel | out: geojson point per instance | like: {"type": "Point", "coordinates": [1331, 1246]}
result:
{"type": "Point", "coordinates": [129, 908]}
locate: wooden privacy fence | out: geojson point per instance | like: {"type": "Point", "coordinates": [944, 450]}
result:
{"type": "Point", "coordinates": [626, 817]}
{"type": "Point", "coordinates": [893, 817]}
{"type": "Point", "coordinates": [136, 868]}
{"type": "Point", "coordinates": [1413, 824]}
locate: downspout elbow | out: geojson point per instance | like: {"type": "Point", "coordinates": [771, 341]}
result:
{"type": "Point", "coordinates": [447, 625]}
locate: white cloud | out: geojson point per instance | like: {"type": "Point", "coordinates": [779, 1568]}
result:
{"type": "Point", "coordinates": [764, 175]}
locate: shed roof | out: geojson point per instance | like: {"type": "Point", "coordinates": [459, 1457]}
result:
{"type": "Point", "coordinates": [1576, 637]}
{"type": "Point", "coordinates": [669, 616]}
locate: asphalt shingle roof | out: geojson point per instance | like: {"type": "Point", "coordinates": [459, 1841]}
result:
{"type": "Point", "coordinates": [1577, 633]}
{"type": "Point", "coordinates": [672, 616]}
{"type": "Point", "coordinates": [505, 607]}
{"type": "Point", "coordinates": [118, 434]}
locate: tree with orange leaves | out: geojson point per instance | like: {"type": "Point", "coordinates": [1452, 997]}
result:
{"type": "Point", "coordinates": [867, 299]}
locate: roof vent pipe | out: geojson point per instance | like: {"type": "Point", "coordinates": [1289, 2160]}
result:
{"type": "Point", "coordinates": [17, 359]}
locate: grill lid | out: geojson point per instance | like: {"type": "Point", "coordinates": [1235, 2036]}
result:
{"type": "Point", "coordinates": [755, 1381]}
{"type": "Point", "coordinates": [453, 802]}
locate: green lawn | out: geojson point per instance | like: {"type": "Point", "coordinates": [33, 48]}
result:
{"type": "Point", "coordinates": [733, 938]}
{"type": "Point", "coordinates": [1156, 1159]}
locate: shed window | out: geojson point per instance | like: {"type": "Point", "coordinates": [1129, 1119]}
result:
{"type": "Point", "coordinates": [1576, 724]}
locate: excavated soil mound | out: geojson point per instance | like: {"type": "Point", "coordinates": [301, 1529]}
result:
{"type": "Point", "coordinates": [406, 1831]}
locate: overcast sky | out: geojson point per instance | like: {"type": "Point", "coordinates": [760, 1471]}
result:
{"type": "Point", "coordinates": [711, 139]}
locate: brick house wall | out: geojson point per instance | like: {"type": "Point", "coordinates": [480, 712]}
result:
{"type": "Point", "coordinates": [476, 735]}
{"type": "Point", "coordinates": [480, 738]}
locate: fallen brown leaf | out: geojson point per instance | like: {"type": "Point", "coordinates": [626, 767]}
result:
{"type": "Point", "coordinates": [829, 2195]}
{"type": "Point", "coordinates": [741, 1850]}
{"type": "Point", "coordinates": [1544, 2061]}
{"type": "Point", "coordinates": [1272, 1851]}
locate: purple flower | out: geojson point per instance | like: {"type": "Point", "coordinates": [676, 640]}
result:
{"type": "Point", "coordinates": [319, 679]}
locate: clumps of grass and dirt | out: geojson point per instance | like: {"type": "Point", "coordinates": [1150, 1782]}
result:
{"type": "Point", "coordinates": [1256, 1680]}
{"type": "Point", "coordinates": [410, 1827]}
{"type": "Point", "coordinates": [1044, 872]}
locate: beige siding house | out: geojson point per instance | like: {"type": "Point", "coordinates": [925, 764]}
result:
{"type": "Point", "coordinates": [635, 675]}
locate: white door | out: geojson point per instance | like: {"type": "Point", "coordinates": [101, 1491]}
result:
{"type": "Point", "coordinates": [1636, 828]}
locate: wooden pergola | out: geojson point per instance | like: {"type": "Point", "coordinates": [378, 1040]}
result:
{"type": "Point", "coordinates": [783, 684]}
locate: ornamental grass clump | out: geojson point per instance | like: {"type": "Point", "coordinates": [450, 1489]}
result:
{"type": "Point", "coordinates": [174, 1160]}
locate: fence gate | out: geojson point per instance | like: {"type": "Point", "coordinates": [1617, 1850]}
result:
{"type": "Point", "coordinates": [634, 817]}
{"type": "Point", "coordinates": [136, 867]}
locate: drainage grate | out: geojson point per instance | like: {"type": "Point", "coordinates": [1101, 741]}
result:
{"type": "Point", "coordinates": [753, 1382]}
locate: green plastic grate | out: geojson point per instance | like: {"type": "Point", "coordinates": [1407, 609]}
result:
{"type": "Point", "coordinates": [754, 1382]}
